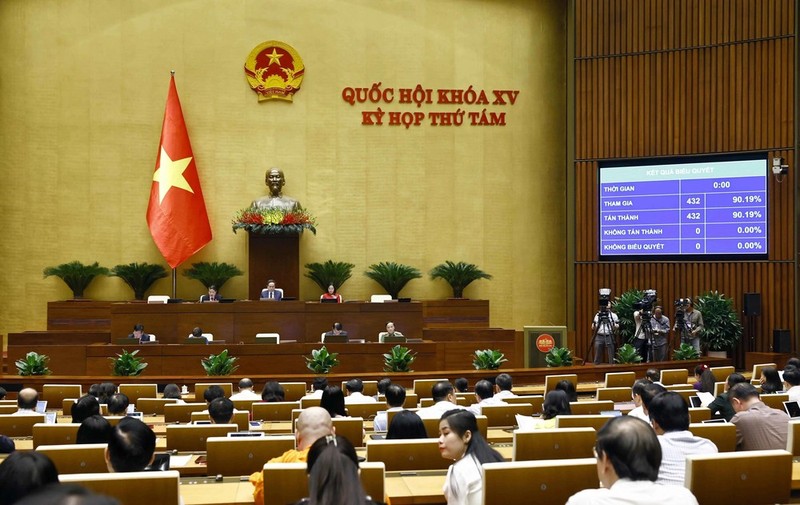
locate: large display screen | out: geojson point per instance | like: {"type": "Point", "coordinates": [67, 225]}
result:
{"type": "Point", "coordinates": [703, 208]}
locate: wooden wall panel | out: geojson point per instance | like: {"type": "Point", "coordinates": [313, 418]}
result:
{"type": "Point", "coordinates": [685, 77]}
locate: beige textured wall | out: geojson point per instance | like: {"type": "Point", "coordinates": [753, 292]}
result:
{"type": "Point", "coordinates": [82, 92]}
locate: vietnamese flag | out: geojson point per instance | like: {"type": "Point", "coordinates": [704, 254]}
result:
{"type": "Point", "coordinates": [176, 214]}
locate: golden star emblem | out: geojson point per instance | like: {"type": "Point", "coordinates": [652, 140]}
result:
{"type": "Point", "coordinates": [170, 174]}
{"type": "Point", "coordinates": [275, 57]}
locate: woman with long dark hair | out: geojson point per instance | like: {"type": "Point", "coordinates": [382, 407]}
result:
{"type": "Point", "coordinates": [332, 467]}
{"type": "Point", "coordinates": [333, 401]}
{"type": "Point", "coordinates": [556, 403]}
{"type": "Point", "coordinates": [460, 440]}
{"type": "Point", "coordinates": [770, 381]}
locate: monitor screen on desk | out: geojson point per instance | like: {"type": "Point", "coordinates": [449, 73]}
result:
{"type": "Point", "coordinates": [336, 339]}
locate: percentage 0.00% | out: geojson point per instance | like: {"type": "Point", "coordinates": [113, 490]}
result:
{"type": "Point", "coordinates": [750, 245]}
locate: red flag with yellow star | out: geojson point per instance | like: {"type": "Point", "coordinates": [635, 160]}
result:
{"type": "Point", "coordinates": [176, 214]}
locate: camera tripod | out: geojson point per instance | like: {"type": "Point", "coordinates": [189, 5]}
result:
{"type": "Point", "coordinates": [604, 320]}
{"type": "Point", "coordinates": [646, 329]}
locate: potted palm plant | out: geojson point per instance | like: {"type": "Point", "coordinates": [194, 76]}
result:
{"type": "Point", "coordinates": [330, 272]}
{"type": "Point", "coordinates": [392, 276]}
{"type": "Point", "coordinates": [721, 326]}
{"type": "Point", "coordinates": [212, 274]}
{"type": "Point", "coordinates": [458, 275]}
{"type": "Point", "coordinates": [627, 354]}
{"type": "Point", "coordinates": [76, 275]}
{"type": "Point", "coordinates": [685, 352]}
{"type": "Point", "coordinates": [139, 276]}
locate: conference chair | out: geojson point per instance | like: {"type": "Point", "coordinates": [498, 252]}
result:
{"type": "Point", "coordinates": [463, 401]}
{"type": "Point", "coordinates": [793, 441]}
{"type": "Point", "coordinates": [534, 401]}
{"type": "Point", "coordinates": [365, 410]}
{"type": "Point", "coordinates": [740, 478]}
{"type": "Point", "coordinates": [8, 402]}
{"type": "Point", "coordinates": [422, 387]}
{"type": "Point", "coordinates": [240, 419]}
{"type": "Point", "coordinates": [620, 379]}
{"type": "Point", "coordinates": [154, 405]}
{"type": "Point", "coordinates": [54, 434]}
{"type": "Point", "coordinates": [759, 367]}
{"type": "Point", "coordinates": [136, 391]}
{"type": "Point", "coordinates": [699, 414]}
{"type": "Point", "coordinates": [158, 299]}
{"type": "Point", "coordinates": [66, 406]}
{"type": "Point", "coordinates": [289, 481]}
{"type": "Point", "coordinates": [274, 411]}
{"type": "Point", "coordinates": [370, 387]}
{"type": "Point", "coordinates": [721, 373]}
{"type": "Point", "coordinates": [200, 389]}
{"type": "Point", "coordinates": [722, 434]}
{"type": "Point", "coordinates": [132, 488]}
{"type": "Point", "coordinates": [380, 298]}
{"type": "Point", "coordinates": [244, 404]}
{"type": "Point", "coordinates": [293, 391]}
{"type": "Point", "coordinates": [19, 426]}
{"type": "Point", "coordinates": [268, 338]}
{"type": "Point", "coordinates": [616, 395]}
{"type": "Point", "coordinates": [546, 481]}
{"type": "Point", "coordinates": [582, 421]}
{"type": "Point", "coordinates": [8, 409]}
{"type": "Point", "coordinates": [589, 408]}
{"type": "Point", "coordinates": [719, 388]}
{"type": "Point", "coordinates": [351, 428]}
{"type": "Point", "coordinates": [55, 393]}
{"type": "Point", "coordinates": [432, 425]}
{"type": "Point", "coordinates": [562, 443]}
{"type": "Point", "coordinates": [245, 455]}
{"type": "Point", "coordinates": [674, 376]}
{"type": "Point", "coordinates": [775, 401]}
{"type": "Point", "coordinates": [193, 437]}
{"type": "Point", "coordinates": [182, 412]}
{"type": "Point", "coordinates": [685, 393]}
{"type": "Point", "coordinates": [310, 402]}
{"type": "Point", "coordinates": [504, 415]}
{"type": "Point", "coordinates": [391, 413]}
{"type": "Point", "coordinates": [407, 455]}
{"type": "Point", "coordinates": [76, 458]}
{"type": "Point", "coordinates": [412, 400]}
{"type": "Point", "coordinates": [550, 381]}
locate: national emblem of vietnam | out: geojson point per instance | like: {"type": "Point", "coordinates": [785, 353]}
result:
{"type": "Point", "coordinates": [274, 70]}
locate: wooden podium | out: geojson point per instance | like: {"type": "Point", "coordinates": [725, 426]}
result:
{"type": "Point", "coordinates": [274, 257]}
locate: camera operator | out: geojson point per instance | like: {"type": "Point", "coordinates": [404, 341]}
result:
{"type": "Point", "coordinates": [692, 322]}
{"type": "Point", "coordinates": [639, 339]}
{"type": "Point", "coordinates": [604, 325]}
{"type": "Point", "coordinates": [660, 325]}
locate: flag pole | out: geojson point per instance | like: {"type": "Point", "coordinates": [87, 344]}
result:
{"type": "Point", "coordinates": [174, 283]}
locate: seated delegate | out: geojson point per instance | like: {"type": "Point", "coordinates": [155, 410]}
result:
{"type": "Point", "coordinates": [390, 332]}
{"type": "Point", "coordinates": [139, 334]}
{"type": "Point", "coordinates": [270, 292]}
{"type": "Point", "coordinates": [331, 294]}
{"type": "Point", "coordinates": [212, 295]}
{"type": "Point", "coordinates": [336, 330]}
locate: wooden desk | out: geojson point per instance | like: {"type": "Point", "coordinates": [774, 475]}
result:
{"type": "Point", "coordinates": [241, 320]}
{"type": "Point", "coordinates": [205, 491]}
{"type": "Point", "coordinates": [413, 488]}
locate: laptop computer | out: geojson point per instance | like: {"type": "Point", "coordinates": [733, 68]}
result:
{"type": "Point", "coordinates": [695, 401]}
{"type": "Point", "coordinates": [714, 421]}
{"type": "Point", "coordinates": [329, 300]}
{"type": "Point", "coordinates": [392, 339]}
{"type": "Point", "coordinates": [227, 300]}
{"type": "Point", "coordinates": [41, 406]}
{"type": "Point", "coordinates": [792, 408]}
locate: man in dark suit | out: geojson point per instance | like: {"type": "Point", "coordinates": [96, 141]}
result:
{"type": "Point", "coordinates": [336, 330]}
{"type": "Point", "coordinates": [139, 334]}
{"type": "Point", "coordinates": [212, 295]}
{"type": "Point", "coordinates": [270, 293]}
